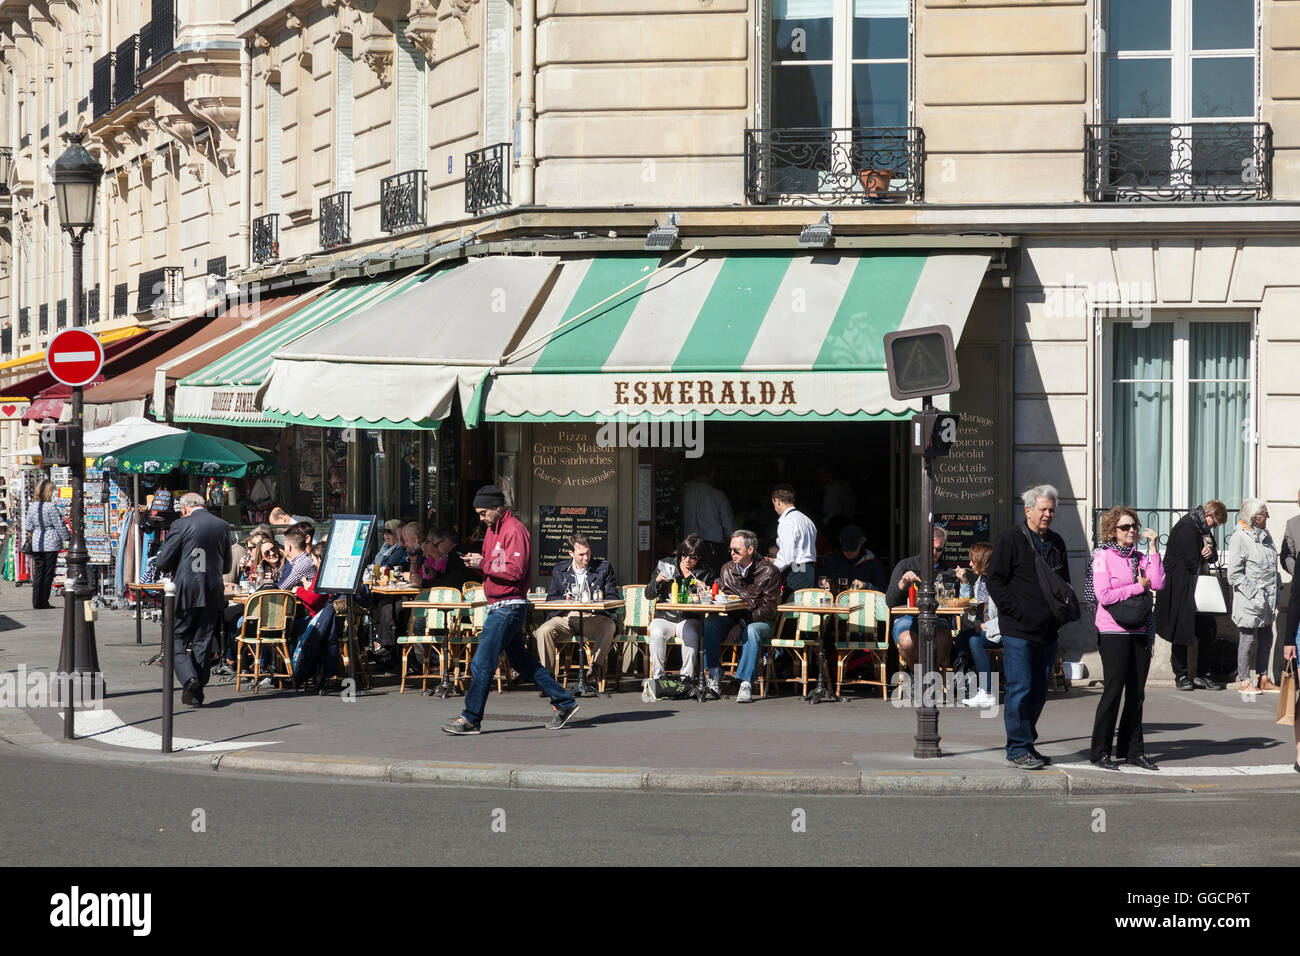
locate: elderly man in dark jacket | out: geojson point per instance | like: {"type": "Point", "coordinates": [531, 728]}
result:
{"type": "Point", "coordinates": [758, 582]}
{"type": "Point", "coordinates": [197, 555]}
{"type": "Point", "coordinates": [1190, 548]}
{"type": "Point", "coordinates": [1029, 630]}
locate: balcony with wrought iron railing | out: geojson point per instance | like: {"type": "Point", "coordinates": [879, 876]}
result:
{"type": "Point", "coordinates": [336, 220]}
{"type": "Point", "coordinates": [162, 29]}
{"type": "Point", "coordinates": [819, 166]}
{"type": "Point", "coordinates": [6, 340]}
{"type": "Point", "coordinates": [217, 266]}
{"type": "Point", "coordinates": [7, 161]}
{"type": "Point", "coordinates": [124, 85]}
{"type": "Point", "coordinates": [402, 201]}
{"type": "Point", "coordinates": [61, 314]}
{"type": "Point", "coordinates": [266, 238]}
{"type": "Point", "coordinates": [143, 47]}
{"type": "Point", "coordinates": [121, 300]}
{"type": "Point", "coordinates": [487, 178]}
{"type": "Point", "coordinates": [1178, 162]}
{"type": "Point", "coordinates": [43, 320]}
{"type": "Point", "coordinates": [161, 289]}
{"type": "Point", "coordinates": [91, 315]}
{"type": "Point", "coordinates": [101, 89]}
{"type": "Point", "coordinates": [25, 321]}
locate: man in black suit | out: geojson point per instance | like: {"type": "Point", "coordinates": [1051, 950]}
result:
{"type": "Point", "coordinates": [596, 578]}
{"type": "Point", "coordinates": [197, 556]}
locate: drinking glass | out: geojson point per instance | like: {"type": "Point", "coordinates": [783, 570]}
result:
{"type": "Point", "coordinates": [844, 584]}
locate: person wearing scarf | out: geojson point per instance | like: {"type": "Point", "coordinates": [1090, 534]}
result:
{"type": "Point", "coordinates": [1120, 571]}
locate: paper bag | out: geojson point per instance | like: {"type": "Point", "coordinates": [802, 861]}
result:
{"type": "Point", "coordinates": [1287, 698]}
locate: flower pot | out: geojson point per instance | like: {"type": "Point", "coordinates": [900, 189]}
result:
{"type": "Point", "coordinates": [875, 182]}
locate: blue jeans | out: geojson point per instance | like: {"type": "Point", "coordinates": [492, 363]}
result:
{"type": "Point", "coordinates": [1026, 666]}
{"type": "Point", "coordinates": [979, 652]}
{"type": "Point", "coordinates": [504, 631]}
{"type": "Point", "coordinates": [716, 628]}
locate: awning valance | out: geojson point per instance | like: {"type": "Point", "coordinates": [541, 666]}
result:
{"type": "Point", "coordinates": [399, 362]}
{"type": "Point", "coordinates": [226, 391]}
{"type": "Point", "coordinates": [749, 336]}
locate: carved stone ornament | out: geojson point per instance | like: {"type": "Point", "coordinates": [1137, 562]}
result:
{"type": "Point", "coordinates": [460, 10]}
{"type": "Point", "coordinates": [374, 44]}
{"type": "Point", "coordinates": [422, 27]}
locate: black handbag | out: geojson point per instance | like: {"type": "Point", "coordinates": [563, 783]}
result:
{"type": "Point", "coordinates": [1060, 597]}
{"type": "Point", "coordinates": [1132, 613]}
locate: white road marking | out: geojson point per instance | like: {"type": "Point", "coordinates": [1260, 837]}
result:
{"type": "Point", "coordinates": [104, 726]}
{"type": "Point", "coordinates": [1168, 771]}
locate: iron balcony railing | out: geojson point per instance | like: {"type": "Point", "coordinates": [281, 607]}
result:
{"type": "Point", "coordinates": [163, 29]}
{"type": "Point", "coordinates": [120, 300]}
{"type": "Point", "coordinates": [873, 164]}
{"type": "Point", "coordinates": [45, 131]}
{"type": "Point", "coordinates": [266, 238]}
{"type": "Point", "coordinates": [487, 178]}
{"type": "Point", "coordinates": [43, 323]}
{"type": "Point", "coordinates": [160, 289]}
{"type": "Point", "coordinates": [1163, 521]}
{"type": "Point", "coordinates": [91, 315]}
{"type": "Point", "coordinates": [82, 104]}
{"type": "Point", "coordinates": [101, 90]}
{"type": "Point", "coordinates": [401, 201]}
{"type": "Point", "coordinates": [25, 140]}
{"type": "Point", "coordinates": [63, 119]}
{"type": "Point", "coordinates": [1178, 162]}
{"type": "Point", "coordinates": [7, 154]}
{"type": "Point", "coordinates": [217, 267]}
{"type": "Point", "coordinates": [6, 340]}
{"type": "Point", "coordinates": [336, 220]}
{"type": "Point", "coordinates": [61, 314]}
{"type": "Point", "coordinates": [25, 321]}
{"type": "Point", "coordinates": [124, 70]}
{"type": "Point", "coordinates": [143, 51]}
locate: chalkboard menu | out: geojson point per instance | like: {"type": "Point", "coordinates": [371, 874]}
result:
{"type": "Point", "coordinates": [556, 522]}
{"type": "Point", "coordinates": [668, 502]}
{"type": "Point", "coordinates": [963, 531]}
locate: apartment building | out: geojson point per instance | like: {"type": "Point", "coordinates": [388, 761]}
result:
{"type": "Point", "coordinates": [1099, 198]}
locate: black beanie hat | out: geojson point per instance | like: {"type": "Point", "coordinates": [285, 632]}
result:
{"type": "Point", "coordinates": [489, 496]}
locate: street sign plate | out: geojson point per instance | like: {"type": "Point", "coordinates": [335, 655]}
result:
{"type": "Point", "coordinates": [74, 357]}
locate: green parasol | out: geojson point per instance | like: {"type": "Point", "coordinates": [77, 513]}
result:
{"type": "Point", "coordinates": [189, 453]}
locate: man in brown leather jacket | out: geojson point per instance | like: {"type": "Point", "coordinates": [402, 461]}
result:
{"type": "Point", "coordinates": [757, 581]}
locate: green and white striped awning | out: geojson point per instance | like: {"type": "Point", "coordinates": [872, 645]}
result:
{"type": "Point", "coordinates": [226, 392]}
{"type": "Point", "coordinates": [747, 337]}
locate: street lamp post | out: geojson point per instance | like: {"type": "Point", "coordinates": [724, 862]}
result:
{"type": "Point", "coordinates": [76, 177]}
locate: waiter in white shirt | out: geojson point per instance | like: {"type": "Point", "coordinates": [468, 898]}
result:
{"type": "Point", "coordinates": [796, 541]}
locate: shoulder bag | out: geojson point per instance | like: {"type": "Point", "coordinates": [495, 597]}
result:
{"type": "Point", "coordinates": [1060, 597]}
{"type": "Point", "coordinates": [1134, 612]}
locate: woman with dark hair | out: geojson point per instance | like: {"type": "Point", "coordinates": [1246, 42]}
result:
{"type": "Point", "coordinates": [1121, 585]}
{"type": "Point", "coordinates": [685, 567]}
{"type": "Point", "coordinates": [1189, 551]}
{"type": "Point", "coordinates": [975, 642]}
{"type": "Point", "coordinates": [49, 535]}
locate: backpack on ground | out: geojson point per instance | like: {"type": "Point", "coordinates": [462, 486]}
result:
{"type": "Point", "coordinates": [666, 688]}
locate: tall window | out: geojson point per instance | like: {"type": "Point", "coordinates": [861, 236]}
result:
{"type": "Point", "coordinates": [1181, 416]}
{"type": "Point", "coordinates": [344, 170]}
{"type": "Point", "coordinates": [498, 72]}
{"type": "Point", "coordinates": [274, 143]}
{"type": "Point", "coordinates": [410, 150]}
{"type": "Point", "coordinates": [839, 63]}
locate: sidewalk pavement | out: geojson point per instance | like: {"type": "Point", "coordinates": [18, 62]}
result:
{"type": "Point", "coordinates": [1203, 740]}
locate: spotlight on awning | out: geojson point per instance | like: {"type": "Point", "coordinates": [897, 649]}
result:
{"type": "Point", "coordinates": [817, 234]}
{"type": "Point", "coordinates": [662, 237]}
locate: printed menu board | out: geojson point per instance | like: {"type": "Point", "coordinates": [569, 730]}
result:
{"type": "Point", "coordinates": [556, 522]}
{"type": "Point", "coordinates": [345, 554]}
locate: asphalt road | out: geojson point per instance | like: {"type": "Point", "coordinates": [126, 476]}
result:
{"type": "Point", "coordinates": [84, 813]}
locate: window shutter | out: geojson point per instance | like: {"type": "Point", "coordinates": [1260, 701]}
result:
{"type": "Point", "coordinates": [344, 172]}
{"type": "Point", "coordinates": [274, 134]}
{"type": "Point", "coordinates": [763, 75]}
{"type": "Point", "coordinates": [498, 76]}
{"type": "Point", "coordinates": [410, 103]}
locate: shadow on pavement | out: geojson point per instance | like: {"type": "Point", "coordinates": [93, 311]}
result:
{"type": "Point", "coordinates": [1191, 749]}
{"type": "Point", "coordinates": [7, 623]}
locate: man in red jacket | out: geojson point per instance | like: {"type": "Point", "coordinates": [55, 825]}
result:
{"type": "Point", "coordinates": [506, 565]}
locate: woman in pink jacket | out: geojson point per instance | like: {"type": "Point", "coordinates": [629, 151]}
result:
{"type": "Point", "coordinates": [1121, 584]}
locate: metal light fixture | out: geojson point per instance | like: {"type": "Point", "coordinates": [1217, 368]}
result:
{"type": "Point", "coordinates": [662, 237]}
{"type": "Point", "coordinates": [76, 177]}
{"type": "Point", "coordinates": [817, 234]}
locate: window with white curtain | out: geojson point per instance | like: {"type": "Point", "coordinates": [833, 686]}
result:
{"type": "Point", "coordinates": [410, 151]}
{"type": "Point", "coordinates": [1178, 397]}
{"type": "Point", "coordinates": [274, 145]}
{"type": "Point", "coordinates": [344, 168]}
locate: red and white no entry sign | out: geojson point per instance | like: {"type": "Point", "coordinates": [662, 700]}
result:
{"type": "Point", "coordinates": [74, 357]}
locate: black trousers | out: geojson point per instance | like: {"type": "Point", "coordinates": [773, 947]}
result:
{"type": "Point", "coordinates": [43, 563]}
{"type": "Point", "coordinates": [1204, 651]}
{"type": "Point", "coordinates": [197, 628]}
{"type": "Point", "coordinates": [1125, 663]}
{"type": "Point", "coordinates": [390, 621]}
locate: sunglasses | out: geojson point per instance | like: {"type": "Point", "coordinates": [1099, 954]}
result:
{"type": "Point", "coordinates": [1127, 527]}
{"type": "Point", "coordinates": [737, 550]}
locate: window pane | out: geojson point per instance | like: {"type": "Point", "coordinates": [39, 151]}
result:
{"type": "Point", "coordinates": [1138, 89]}
{"type": "Point", "coordinates": [1138, 25]}
{"type": "Point", "coordinates": [880, 94]}
{"type": "Point", "coordinates": [1220, 349]}
{"type": "Point", "coordinates": [1142, 414]}
{"type": "Point", "coordinates": [801, 29]}
{"type": "Point", "coordinates": [1219, 412]}
{"type": "Point", "coordinates": [879, 29]}
{"type": "Point", "coordinates": [801, 96]}
{"type": "Point", "coordinates": [1223, 86]}
{"type": "Point", "coordinates": [1223, 24]}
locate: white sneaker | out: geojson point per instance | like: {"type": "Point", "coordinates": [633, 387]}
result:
{"type": "Point", "coordinates": [265, 682]}
{"type": "Point", "coordinates": [982, 699]}
{"type": "Point", "coordinates": [745, 695]}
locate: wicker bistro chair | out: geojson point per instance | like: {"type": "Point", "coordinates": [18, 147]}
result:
{"type": "Point", "coordinates": [860, 633]}
{"type": "Point", "coordinates": [268, 622]}
{"type": "Point", "coordinates": [799, 643]}
{"type": "Point", "coordinates": [638, 612]}
{"type": "Point", "coordinates": [429, 629]}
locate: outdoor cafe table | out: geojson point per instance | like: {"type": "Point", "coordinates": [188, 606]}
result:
{"type": "Point", "coordinates": [834, 612]}
{"type": "Point", "coordinates": [447, 687]}
{"type": "Point", "coordinates": [703, 609]}
{"type": "Point", "coordinates": [580, 608]}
